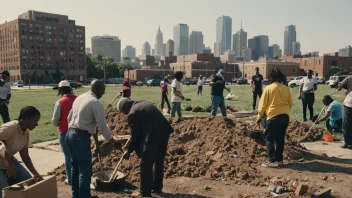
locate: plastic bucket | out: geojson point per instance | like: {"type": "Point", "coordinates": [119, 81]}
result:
{"type": "Point", "coordinates": [328, 138]}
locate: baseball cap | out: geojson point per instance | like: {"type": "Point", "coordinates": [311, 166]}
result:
{"type": "Point", "coordinates": [64, 83]}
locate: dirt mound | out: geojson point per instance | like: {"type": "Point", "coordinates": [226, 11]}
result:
{"type": "Point", "coordinates": [215, 148]}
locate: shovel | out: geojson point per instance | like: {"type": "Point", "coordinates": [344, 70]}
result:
{"type": "Point", "coordinates": [101, 168]}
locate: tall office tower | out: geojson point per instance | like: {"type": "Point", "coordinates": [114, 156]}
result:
{"type": "Point", "coordinates": [195, 42]}
{"type": "Point", "coordinates": [224, 32]}
{"type": "Point", "coordinates": [181, 33]}
{"type": "Point", "coordinates": [239, 42]}
{"type": "Point", "coordinates": [289, 39]}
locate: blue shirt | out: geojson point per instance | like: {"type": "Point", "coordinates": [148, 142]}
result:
{"type": "Point", "coordinates": [335, 109]}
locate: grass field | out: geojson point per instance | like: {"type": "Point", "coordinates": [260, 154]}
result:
{"type": "Point", "coordinates": [44, 100]}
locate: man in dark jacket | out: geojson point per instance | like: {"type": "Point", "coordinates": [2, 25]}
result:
{"type": "Point", "coordinates": [149, 139]}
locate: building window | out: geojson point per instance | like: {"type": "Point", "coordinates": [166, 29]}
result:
{"type": "Point", "coordinates": [319, 62]}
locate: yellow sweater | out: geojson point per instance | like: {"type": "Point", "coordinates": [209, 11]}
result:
{"type": "Point", "coordinates": [276, 100]}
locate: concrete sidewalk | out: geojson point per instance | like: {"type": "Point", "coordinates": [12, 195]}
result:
{"type": "Point", "coordinates": [331, 149]}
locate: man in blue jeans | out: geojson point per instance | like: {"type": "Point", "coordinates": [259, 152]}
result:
{"type": "Point", "coordinates": [87, 112]}
{"type": "Point", "coordinates": [217, 84]}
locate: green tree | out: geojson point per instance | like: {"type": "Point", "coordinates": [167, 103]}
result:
{"type": "Point", "coordinates": [336, 70]}
{"type": "Point", "coordinates": [123, 66]}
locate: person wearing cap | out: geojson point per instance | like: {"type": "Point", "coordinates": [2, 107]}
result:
{"type": "Point", "coordinates": [200, 84]}
{"type": "Point", "coordinates": [333, 115]}
{"type": "Point", "coordinates": [5, 96]}
{"type": "Point", "coordinates": [217, 84]}
{"type": "Point", "coordinates": [164, 94]}
{"type": "Point", "coordinates": [149, 131]}
{"type": "Point", "coordinates": [86, 113]}
{"type": "Point", "coordinates": [61, 110]}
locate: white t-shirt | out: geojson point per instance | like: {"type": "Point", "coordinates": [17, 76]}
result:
{"type": "Point", "coordinates": [5, 90]}
{"type": "Point", "coordinates": [178, 86]}
{"type": "Point", "coordinates": [308, 84]}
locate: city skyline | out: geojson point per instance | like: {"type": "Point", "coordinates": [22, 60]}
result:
{"type": "Point", "coordinates": [317, 31]}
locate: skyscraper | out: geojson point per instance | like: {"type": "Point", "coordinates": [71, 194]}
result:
{"type": "Point", "coordinates": [217, 49]}
{"type": "Point", "coordinates": [129, 51]}
{"type": "Point", "coordinates": [239, 42]}
{"type": "Point", "coordinates": [158, 47]}
{"type": "Point", "coordinates": [274, 51]}
{"type": "Point", "coordinates": [259, 45]}
{"type": "Point", "coordinates": [146, 49]}
{"type": "Point", "coordinates": [289, 38]}
{"type": "Point", "coordinates": [107, 46]}
{"type": "Point", "coordinates": [170, 48]}
{"type": "Point", "coordinates": [195, 42]}
{"type": "Point", "coordinates": [181, 32]}
{"type": "Point", "coordinates": [346, 52]}
{"type": "Point", "coordinates": [224, 32]}
{"type": "Point", "coordinates": [296, 48]}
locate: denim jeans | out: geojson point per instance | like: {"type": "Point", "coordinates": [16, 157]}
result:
{"type": "Point", "coordinates": [217, 101]}
{"type": "Point", "coordinates": [274, 133]}
{"type": "Point", "coordinates": [337, 125]}
{"type": "Point", "coordinates": [21, 175]}
{"type": "Point", "coordinates": [4, 112]}
{"type": "Point", "coordinates": [176, 107]}
{"type": "Point", "coordinates": [308, 100]}
{"type": "Point", "coordinates": [66, 151]}
{"type": "Point", "coordinates": [347, 125]}
{"type": "Point", "coordinates": [81, 157]}
{"type": "Point", "coordinates": [164, 98]}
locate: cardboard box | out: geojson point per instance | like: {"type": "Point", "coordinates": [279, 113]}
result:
{"type": "Point", "coordinates": [32, 189]}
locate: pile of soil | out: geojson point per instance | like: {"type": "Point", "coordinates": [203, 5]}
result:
{"type": "Point", "coordinates": [215, 148]}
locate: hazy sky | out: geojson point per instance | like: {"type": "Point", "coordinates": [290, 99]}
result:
{"type": "Point", "coordinates": [322, 25]}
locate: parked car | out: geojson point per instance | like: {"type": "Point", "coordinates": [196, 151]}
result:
{"type": "Point", "coordinates": [234, 80]}
{"type": "Point", "coordinates": [153, 83]}
{"type": "Point", "coordinates": [335, 81]}
{"type": "Point", "coordinates": [133, 82]}
{"type": "Point", "coordinates": [295, 82]}
{"type": "Point", "coordinates": [18, 84]}
{"type": "Point", "coordinates": [189, 81]}
{"type": "Point", "coordinates": [139, 83]}
{"type": "Point", "coordinates": [78, 83]}
{"type": "Point", "coordinates": [242, 81]}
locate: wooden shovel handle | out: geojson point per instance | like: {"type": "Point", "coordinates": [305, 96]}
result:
{"type": "Point", "coordinates": [114, 173]}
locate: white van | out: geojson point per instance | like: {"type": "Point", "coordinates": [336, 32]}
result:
{"type": "Point", "coordinates": [334, 81]}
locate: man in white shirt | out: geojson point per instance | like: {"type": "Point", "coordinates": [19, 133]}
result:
{"type": "Point", "coordinates": [86, 113]}
{"type": "Point", "coordinates": [307, 87]}
{"type": "Point", "coordinates": [176, 95]}
{"type": "Point", "coordinates": [5, 96]}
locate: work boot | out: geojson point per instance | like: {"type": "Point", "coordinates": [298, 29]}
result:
{"type": "Point", "coordinates": [344, 146]}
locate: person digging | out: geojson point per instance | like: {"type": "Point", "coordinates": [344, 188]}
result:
{"type": "Point", "coordinates": [333, 115]}
{"type": "Point", "coordinates": [149, 131]}
{"type": "Point", "coordinates": [217, 84]}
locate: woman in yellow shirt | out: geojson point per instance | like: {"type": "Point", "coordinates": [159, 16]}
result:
{"type": "Point", "coordinates": [275, 103]}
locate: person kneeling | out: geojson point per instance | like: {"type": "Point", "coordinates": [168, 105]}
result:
{"type": "Point", "coordinates": [333, 115]}
{"type": "Point", "coordinates": [15, 136]}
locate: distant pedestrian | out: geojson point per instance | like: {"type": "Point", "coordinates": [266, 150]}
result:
{"type": "Point", "coordinates": [61, 110]}
{"type": "Point", "coordinates": [257, 80]}
{"type": "Point", "coordinates": [126, 89]}
{"type": "Point", "coordinates": [217, 84]}
{"type": "Point", "coordinates": [5, 96]}
{"type": "Point", "coordinates": [176, 95]}
{"type": "Point", "coordinates": [333, 115]}
{"type": "Point", "coordinates": [308, 85]}
{"type": "Point", "coordinates": [164, 94]}
{"type": "Point", "coordinates": [200, 84]}
{"type": "Point", "coordinates": [347, 112]}
{"type": "Point", "coordinates": [275, 104]}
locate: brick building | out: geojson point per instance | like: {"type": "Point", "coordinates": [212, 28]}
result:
{"type": "Point", "coordinates": [289, 69]}
{"type": "Point", "coordinates": [36, 43]}
{"type": "Point", "coordinates": [320, 64]}
{"type": "Point", "coordinates": [146, 73]}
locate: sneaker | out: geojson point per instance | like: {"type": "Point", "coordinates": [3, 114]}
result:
{"type": "Point", "coordinates": [344, 146]}
{"type": "Point", "coordinates": [305, 120]}
{"type": "Point", "coordinates": [270, 164]}
{"type": "Point", "coordinates": [280, 163]}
